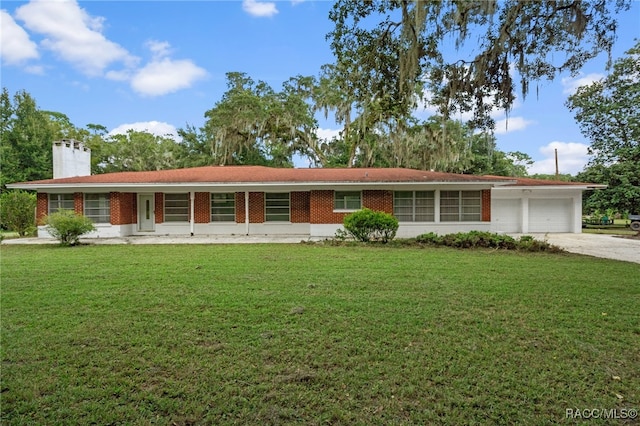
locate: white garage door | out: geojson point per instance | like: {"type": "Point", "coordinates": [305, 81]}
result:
{"type": "Point", "coordinates": [550, 215]}
{"type": "Point", "coordinates": [506, 215]}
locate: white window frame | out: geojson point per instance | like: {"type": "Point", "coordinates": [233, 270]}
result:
{"type": "Point", "coordinates": [416, 197]}
{"type": "Point", "coordinates": [340, 201]}
{"type": "Point", "coordinates": [269, 210]}
{"type": "Point", "coordinates": [467, 203]}
{"type": "Point", "coordinates": [103, 206]}
{"type": "Point", "coordinates": [177, 212]}
{"type": "Point", "coordinates": [61, 202]}
{"type": "Point", "coordinates": [216, 215]}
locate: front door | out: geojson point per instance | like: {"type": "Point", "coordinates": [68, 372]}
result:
{"type": "Point", "coordinates": [146, 216]}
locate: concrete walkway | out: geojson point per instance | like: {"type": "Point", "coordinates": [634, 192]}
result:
{"type": "Point", "coordinates": [604, 246]}
{"type": "Point", "coordinates": [178, 239]}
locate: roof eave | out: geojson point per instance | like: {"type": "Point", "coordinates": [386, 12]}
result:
{"type": "Point", "coordinates": [557, 187]}
{"type": "Point", "coordinates": [314, 184]}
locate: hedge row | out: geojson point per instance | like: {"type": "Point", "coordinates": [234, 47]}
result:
{"type": "Point", "coordinates": [480, 239]}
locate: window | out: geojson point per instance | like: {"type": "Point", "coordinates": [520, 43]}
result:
{"type": "Point", "coordinates": [347, 200]}
{"type": "Point", "coordinates": [97, 207]}
{"type": "Point", "coordinates": [277, 207]}
{"type": "Point", "coordinates": [223, 207]}
{"type": "Point", "coordinates": [414, 206]}
{"type": "Point", "coordinates": [61, 202]}
{"type": "Point", "coordinates": [460, 206]}
{"type": "Point", "coordinates": [176, 207]}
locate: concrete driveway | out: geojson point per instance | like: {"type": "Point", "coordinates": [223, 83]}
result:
{"type": "Point", "coordinates": [598, 245]}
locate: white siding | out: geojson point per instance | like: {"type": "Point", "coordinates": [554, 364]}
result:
{"type": "Point", "coordinates": [550, 215]}
{"type": "Point", "coordinates": [506, 215]}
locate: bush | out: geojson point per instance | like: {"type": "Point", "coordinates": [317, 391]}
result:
{"type": "Point", "coordinates": [366, 225]}
{"type": "Point", "coordinates": [480, 239]}
{"type": "Point", "coordinates": [18, 212]}
{"type": "Point", "coordinates": [431, 238]}
{"type": "Point", "coordinates": [67, 226]}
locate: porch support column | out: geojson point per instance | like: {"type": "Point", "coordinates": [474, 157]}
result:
{"type": "Point", "coordinates": [577, 213]}
{"type": "Point", "coordinates": [192, 197]}
{"type": "Point", "coordinates": [246, 212]}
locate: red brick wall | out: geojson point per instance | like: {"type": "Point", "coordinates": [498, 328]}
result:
{"type": "Point", "coordinates": [122, 208]}
{"type": "Point", "coordinates": [321, 206]}
{"type": "Point", "coordinates": [202, 207]}
{"type": "Point", "coordinates": [378, 200]}
{"type": "Point", "coordinates": [256, 207]}
{"type": "Point", "coordinates": [239, 207]}
{"type": "Point", "coordinates": [78, 203]}
{"type": "Point", "coordinates": [159, 208]}
{"type": "Point", "coordinates": [300, 207]}
{"type": "Point", "coordinates": [486, 205]}
{"type": "Point", "coordinates": [42, 207]}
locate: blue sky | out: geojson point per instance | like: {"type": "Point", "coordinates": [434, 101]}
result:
{"type": "Point", "coordinates": [159, 65]}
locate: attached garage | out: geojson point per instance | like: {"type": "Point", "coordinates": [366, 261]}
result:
{"type": "Point", "coordinates": [538, 206]}
{"type": "Point", "coordinates": [506, 215]}
{"type": "Point", "coordinates": [551, 215]}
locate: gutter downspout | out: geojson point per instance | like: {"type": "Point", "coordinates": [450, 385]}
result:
{"type": "Point", "coordinates": [246, 212]}
{"type": "Point", "coordinates": [192, 197]}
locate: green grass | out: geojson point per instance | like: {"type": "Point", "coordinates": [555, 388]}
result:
{"type": "Point", "coordinates": [608, 230]}
{"type": "Point", "coordinates": [619, 227]}
{"type": "Point", "coordinates": [312, 334]}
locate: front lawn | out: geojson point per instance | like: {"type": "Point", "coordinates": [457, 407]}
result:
{"type": "Point", "coordinates": [312, 334]}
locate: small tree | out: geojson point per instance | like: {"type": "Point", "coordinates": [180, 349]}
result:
{"type": "Point", "coordinates": [366, 225]}
{"type": "Point", "coordinates": [17, 211]}
{"type": "Point", "coordinates": [67, 226]}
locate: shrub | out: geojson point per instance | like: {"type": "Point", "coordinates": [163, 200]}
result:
{"type": "Point", "coordinates": [367, 225]}
{"type": "Point", "coordinates": [431, 238]}
{"type": "Point", "coordinates": [67, 226]}
{"type": "Point", "coordinates": [17, 212]}
{"type": "Point", "coordinates": [475, 239]}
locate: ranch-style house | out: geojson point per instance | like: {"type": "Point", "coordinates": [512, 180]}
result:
{"type": "Point", "coordinates": [257, 200]}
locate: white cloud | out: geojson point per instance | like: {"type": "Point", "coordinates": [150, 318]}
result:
{"type": "Point", "coordinates": [503, 125]}
{"type": "Point", "coordinates": [572, 157]}
{"type": "Point", "coordinates": [511, 124]}
{"type": "Point", "coordinates": [259, 9]}
{"type": "Point", "coordinates": [571, 85]}
{"type": "Point", "coordinates": [15, 45]}
{"type": "Point", "coordinates": [157, 128]}
{"type": "Point", "coordinates": [328, 134]}
{"type": "Point", "coordinates": [34, 69]}
{"type": "Point", "coordinates": [164, 76]}
{"type": "Point", "coordinates": [74, 35]}
{"type": "Point", "coordinates": [159, 49]}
